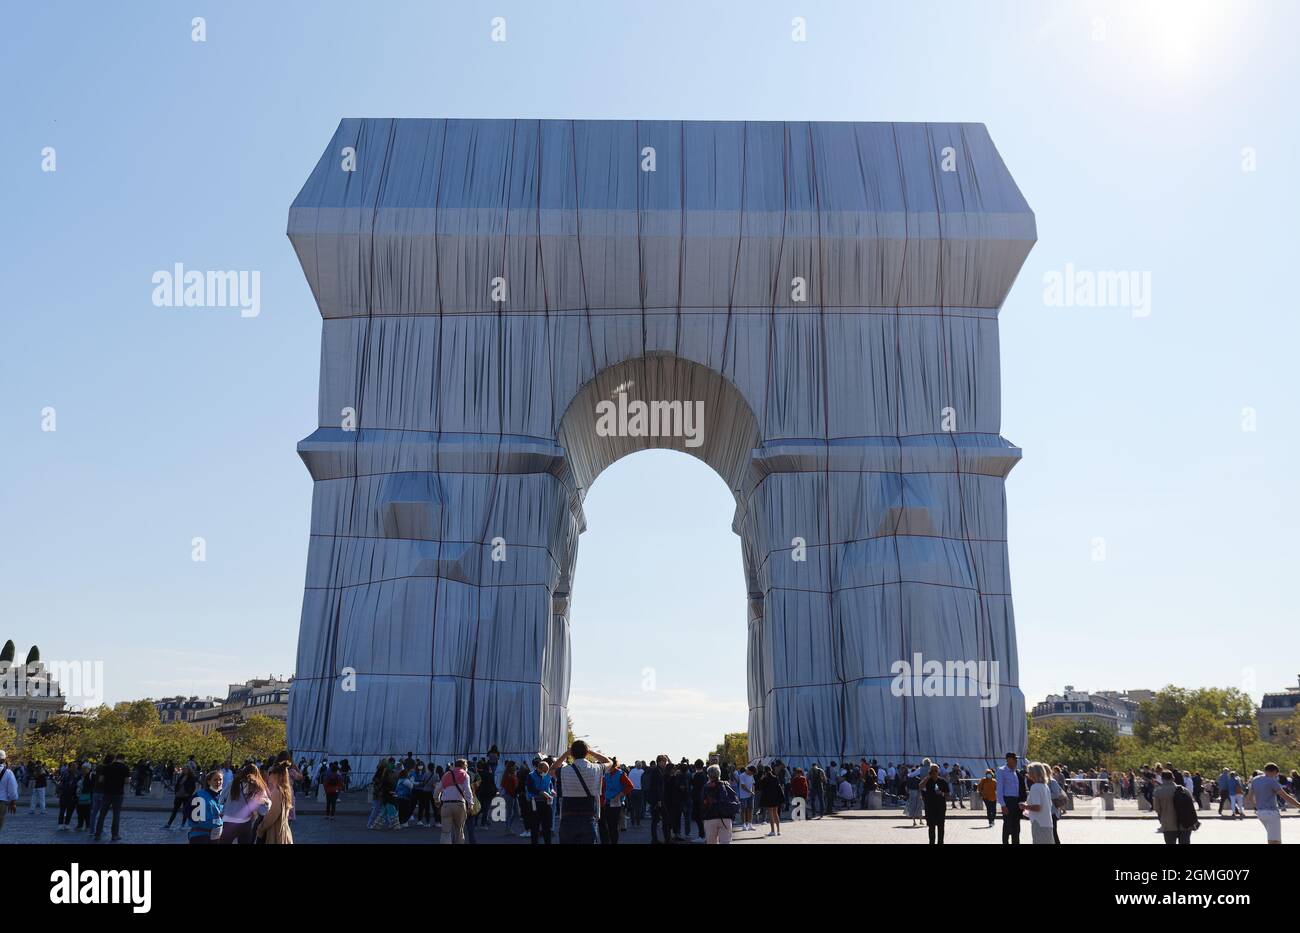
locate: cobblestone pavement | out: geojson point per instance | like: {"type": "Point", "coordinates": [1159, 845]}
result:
{"type": "Point", "coordinates": [887, 827]}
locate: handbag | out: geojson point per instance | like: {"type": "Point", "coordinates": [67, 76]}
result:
{"type": "Point", "coordinates": [473, 806]}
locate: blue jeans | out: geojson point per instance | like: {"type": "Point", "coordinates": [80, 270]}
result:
{"type": "Point", "coordinates": [104, 803]}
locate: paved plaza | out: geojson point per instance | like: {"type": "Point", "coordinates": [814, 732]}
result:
{"type": "Point", "coordinates": [880, 827]}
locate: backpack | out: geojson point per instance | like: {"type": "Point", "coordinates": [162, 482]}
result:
{"type": "Point", "coordinates": [726, 802]}
{"type": "Point", "coordinates": [1185, 809]}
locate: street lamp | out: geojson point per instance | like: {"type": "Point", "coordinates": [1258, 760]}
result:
{"type": "Point", "coordinates": [1237, 726]}
{"type": "Point", "coordinates": [232, 720]}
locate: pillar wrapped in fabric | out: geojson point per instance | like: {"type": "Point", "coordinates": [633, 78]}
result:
{"type": "Point", "coordinates": [512, 305]}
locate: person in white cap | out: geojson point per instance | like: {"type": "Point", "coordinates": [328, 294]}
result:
{"type": "Point", "coordinates": [8, 789]}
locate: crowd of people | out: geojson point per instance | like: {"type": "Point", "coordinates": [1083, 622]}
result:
{"type": "Point", "coordinates": [1042, 793]}
{"type": "Point", "coordinates": [685, 799]}
{"type": "Point", "coordinates": [215, 804]}
{"type": "Point", "coordinates": [582, 796]}
{"type": "Point", "coordinates": [585, 797]}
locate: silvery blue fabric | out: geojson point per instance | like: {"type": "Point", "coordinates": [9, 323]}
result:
{"type": "Point", "coordinates": [486, 284]}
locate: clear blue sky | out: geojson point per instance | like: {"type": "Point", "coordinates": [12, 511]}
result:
{"type": "Point", "coordinates": [1123, 124]}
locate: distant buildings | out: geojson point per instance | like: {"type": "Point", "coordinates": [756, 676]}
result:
{"type": "Point", "coordinates": [257, 697]}
{"type": "Point", "coordinates": [1117, 709]}
{"type": "Point", "coordinates": [208, 720]}
{"type": "Point", "coordinates": [182, 709]}
{"type": "Point", "coordinates": [1126, 704]}
{"type": "Point", "coordinates": [1274, 711]}
{"type": "Point", "coordinates": [29, 693]}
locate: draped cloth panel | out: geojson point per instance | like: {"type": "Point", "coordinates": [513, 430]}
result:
{"type": "Point", "coordinates": [824, 295]}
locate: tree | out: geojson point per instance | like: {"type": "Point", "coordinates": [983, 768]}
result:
{"type": "Point", "coordinates": [8, 737]}
{"type": "Point", "coordinates": [129, 729]}
{"type": "Point", "coordinates": [138, 713]}
{"type": "Point", "coordinates": [1160, 718]}
{"type": "Point", "coordinates": [733, 750]}
{"type": "Point", "coordinates": [54, 740]}
{"type": "Point", "coordinates": [258, 737]}
{"type": "Point", "coordinates": [1201, 727]}
{"type": "Point", "coordinates": [1076, 743]}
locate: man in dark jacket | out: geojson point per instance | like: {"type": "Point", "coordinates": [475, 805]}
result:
{"type": "Point", "coordinates": [1175, 809]}
{"type": "Point", "coordinates": [652, 784]}
{"type": "Point", "coordinates": [110, 785]}
{"type": "Point", "coordinates": [698, 779]}
{"type": "Point", "coordinates": [677, 799]}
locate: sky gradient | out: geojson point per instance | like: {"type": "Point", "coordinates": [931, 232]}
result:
{"type": "Point", "coordinates": [1130, 129]}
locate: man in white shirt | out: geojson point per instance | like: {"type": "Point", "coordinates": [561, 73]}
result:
{"type": "Point", "coordinates": [746, 796]}
{"type": "Point", "coordinates": [637, 803]}
{"type": "Point", "coordinates": [8, 789]}
{"type": "Point", "coordinates": [577, 783]}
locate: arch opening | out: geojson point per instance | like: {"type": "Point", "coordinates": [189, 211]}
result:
{"type": "Point", "coordinates": [658, 611]}
{"type": "Point", "coordinates": [663, 402]}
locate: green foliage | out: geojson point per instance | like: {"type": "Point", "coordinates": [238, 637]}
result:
{"type": "Point", "coordinates": [1188, 729]}
{"type": "Point", "coordinates": [1161, 718]}
{"type": "Point", "coordinates": [1076, 743]}
{"type": "Point", "coordinates": [733, 750]}
{"type": "Point", "coordinates": [1207, 759]}
{"type": "Point", "coordinates": [8, 737]}
{"type": "Point", "coordinates": [130, 729]}
{"type": "Point", "coordinates": [259, 737]}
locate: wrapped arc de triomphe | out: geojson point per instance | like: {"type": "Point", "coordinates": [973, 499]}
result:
{"type": "Point", "coordinates": [512, 305]}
